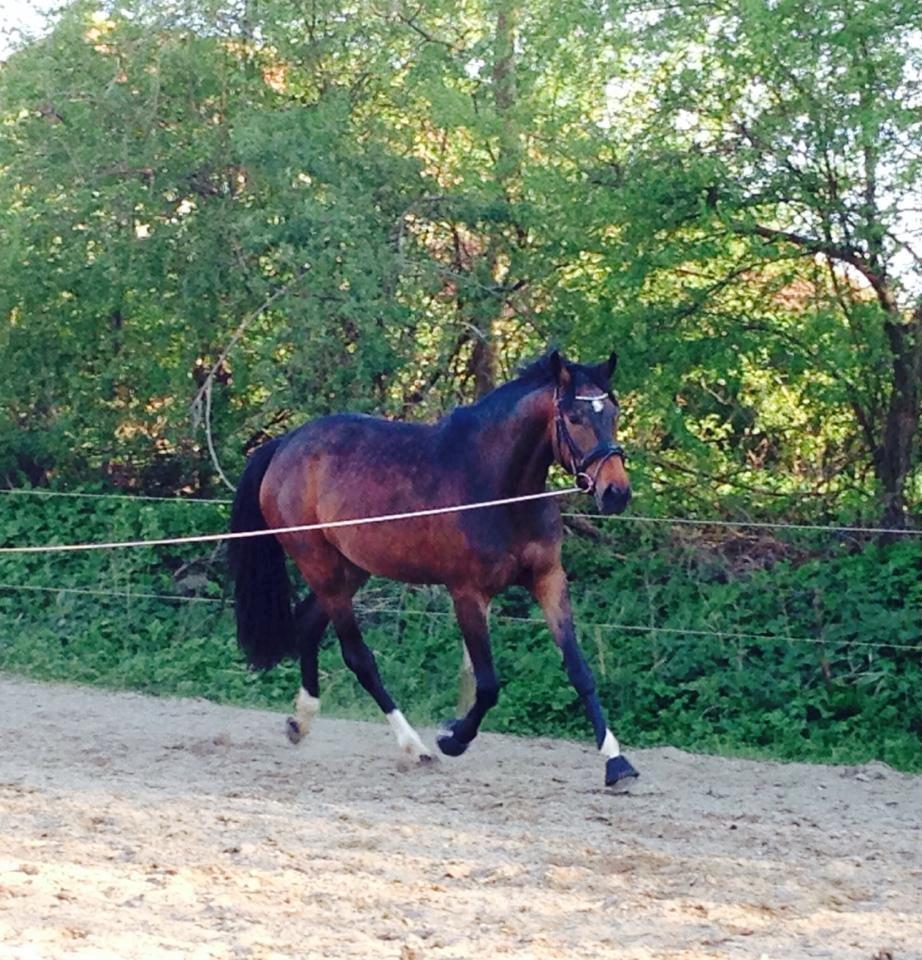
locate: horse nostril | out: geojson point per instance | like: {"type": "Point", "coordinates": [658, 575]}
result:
{"type": "Point", "coordinates": [615, 499]}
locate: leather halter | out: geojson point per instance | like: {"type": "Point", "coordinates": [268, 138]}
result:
{"type": "Point", "coordinates": [580, 463]}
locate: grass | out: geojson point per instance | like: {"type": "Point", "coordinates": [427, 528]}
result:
{"type": "Point", "coordinates": [798, 652]}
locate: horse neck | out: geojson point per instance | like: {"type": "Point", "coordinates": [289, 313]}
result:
{"type": "Point", "coordinates": [514, 444]}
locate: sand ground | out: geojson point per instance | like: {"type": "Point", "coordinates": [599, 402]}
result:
{"type": "Point", "coordinates": [136, 827]}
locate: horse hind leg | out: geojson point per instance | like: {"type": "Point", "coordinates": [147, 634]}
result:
{"type": "Point", "coordinates": [319, 564]}
{"type": "Point", "coordinates": [361, 661]}
{"type": "Point", "coordinates": [310, 622]}
{"type": "Point", "coordinates": [471, 610]}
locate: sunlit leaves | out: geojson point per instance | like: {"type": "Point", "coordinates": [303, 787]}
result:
{"type": "Point", "coordinates": [376, 192]}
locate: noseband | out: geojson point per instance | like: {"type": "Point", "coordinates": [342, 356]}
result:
{"type": "Point", "coordinates": [580, 463]}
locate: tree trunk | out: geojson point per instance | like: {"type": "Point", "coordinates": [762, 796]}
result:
{"type": "Point", "coordinates": [483, 362]}
{"type": "Point", "coordinates": [893, 456]}
{"type": "Point", "coordinates": [893, 459]}
{"type": "Point", "coordinates": [487, 300]}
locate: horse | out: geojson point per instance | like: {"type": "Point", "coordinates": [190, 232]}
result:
{"type": "Point", "coordinates": [351, 466]}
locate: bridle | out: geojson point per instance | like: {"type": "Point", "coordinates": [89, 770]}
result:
{"type": "Point", "coordinates": [581, 463]}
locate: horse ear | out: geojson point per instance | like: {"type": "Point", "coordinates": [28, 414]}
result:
{"type": "Point", "coordinates": [604, 371]}
{"type": "Point", "coordinates": [559, 369]}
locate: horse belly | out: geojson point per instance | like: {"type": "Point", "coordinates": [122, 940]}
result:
{"type": "Point", "coordinates": [413, 551]}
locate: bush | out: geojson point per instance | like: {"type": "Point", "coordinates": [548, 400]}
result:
{"type": "Point", "coordinates": [806, 649]}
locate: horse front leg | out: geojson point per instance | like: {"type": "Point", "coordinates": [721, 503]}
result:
{"type": "Point", "coordinates": [472, 610]}
{"type": "Point", "coordinates": [550, 590]}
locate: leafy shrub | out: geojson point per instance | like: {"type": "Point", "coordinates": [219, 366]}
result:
{"type": "Point", "coordinates": [806, 649]}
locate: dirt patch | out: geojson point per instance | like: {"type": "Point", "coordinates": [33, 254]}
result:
{"type": "Point", "coordinates": [132, 827]}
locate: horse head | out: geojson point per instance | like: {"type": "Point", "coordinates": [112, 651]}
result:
{"type": "Point", "coordinates": [585, 423]}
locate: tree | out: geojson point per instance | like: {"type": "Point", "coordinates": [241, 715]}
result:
{"type": "Point", "coordinates": [360, 201]}
{"type": "Point", "coordinates": [772, 186]}
{"type": "Point", "coordinates": [281, 209]}
{"type": "Point", "coordinates": [164, 180]}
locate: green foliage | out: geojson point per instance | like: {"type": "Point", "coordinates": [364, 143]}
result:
{"type": "Point", "coordinates": [392, 207]}
{"type": "Point", "coordinates": [804, 648]}
{"type": "Point", "coordinates": [839, 685]}
{"type": "Point", "coordinates": [765, 188]}
{"type": "Point", "coordinates": [384, 209]}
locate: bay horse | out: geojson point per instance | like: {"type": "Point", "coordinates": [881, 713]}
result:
{"type": "Point", "coordinates": [348, 466]}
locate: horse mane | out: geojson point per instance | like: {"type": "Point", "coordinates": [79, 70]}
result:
{"type": "Point", "coordinates": [502, 398]}
{"type": "Point", "coordinates": [530, 375]}
{"type": "Point", "coordinates": [536, 371]}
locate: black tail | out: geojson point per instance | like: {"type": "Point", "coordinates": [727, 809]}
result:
{"type": "Point", "coordinates": [262, 592]}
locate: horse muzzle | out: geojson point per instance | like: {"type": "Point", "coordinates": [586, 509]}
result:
{"type": "Point", "coordinates": [602, 474]}
{"type": "Point", "coordinates": [612, 498]}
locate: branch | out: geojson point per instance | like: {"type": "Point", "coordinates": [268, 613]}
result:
{"type": "Point", "coordinates": [835, 251]}
{"type": "Point", "coordinates": [201, 405]}
{"type": "Point", "coordinates": [410, 21]}
{"type": "Point", "coordinates": [211, 450]}
{"type": "Point", "coordinates": [905, 246]}
{"type": "Point", "coordinates": [701, 296]}
{"type": "Point", "coordinates": [870, 416]}
{"type": "Point", "coordinates": [196, 405]}
{"type": "Point", "coordinates": [731, 480]}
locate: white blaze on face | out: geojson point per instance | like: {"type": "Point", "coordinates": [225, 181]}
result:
{"type": "Point", "coordinates": [407, 738]}
{"type": "Point", "coordinates": [306, 708]}
{"type": "Point", "coordinates": [610, 747]}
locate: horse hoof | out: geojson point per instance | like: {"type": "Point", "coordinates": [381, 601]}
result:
{"type": "Point", "coordinates": [293, 730]}
{"type": "Point", "coordinates": [448, 743]}
{"type": "Point", "coordinates": [450, 746]}
{"type": "Point", "coordinates": [619, 774]}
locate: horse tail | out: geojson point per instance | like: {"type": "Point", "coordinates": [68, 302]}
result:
{"type": "Point", "coordinates": [262, 592]}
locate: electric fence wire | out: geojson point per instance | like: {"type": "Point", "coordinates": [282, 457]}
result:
{"type": "Point", "coordinates": [836, 529]}
{"type": "Point", "coordinates": [404, 611]}
{"type": "Point", "coordinates": [612, 627]}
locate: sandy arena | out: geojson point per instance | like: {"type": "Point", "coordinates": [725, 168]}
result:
{"type": "Point", "coordinates": [133, 827]}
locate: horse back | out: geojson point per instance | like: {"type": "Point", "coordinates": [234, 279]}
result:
{"type": "Point", "coordinates": [347, 467]}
